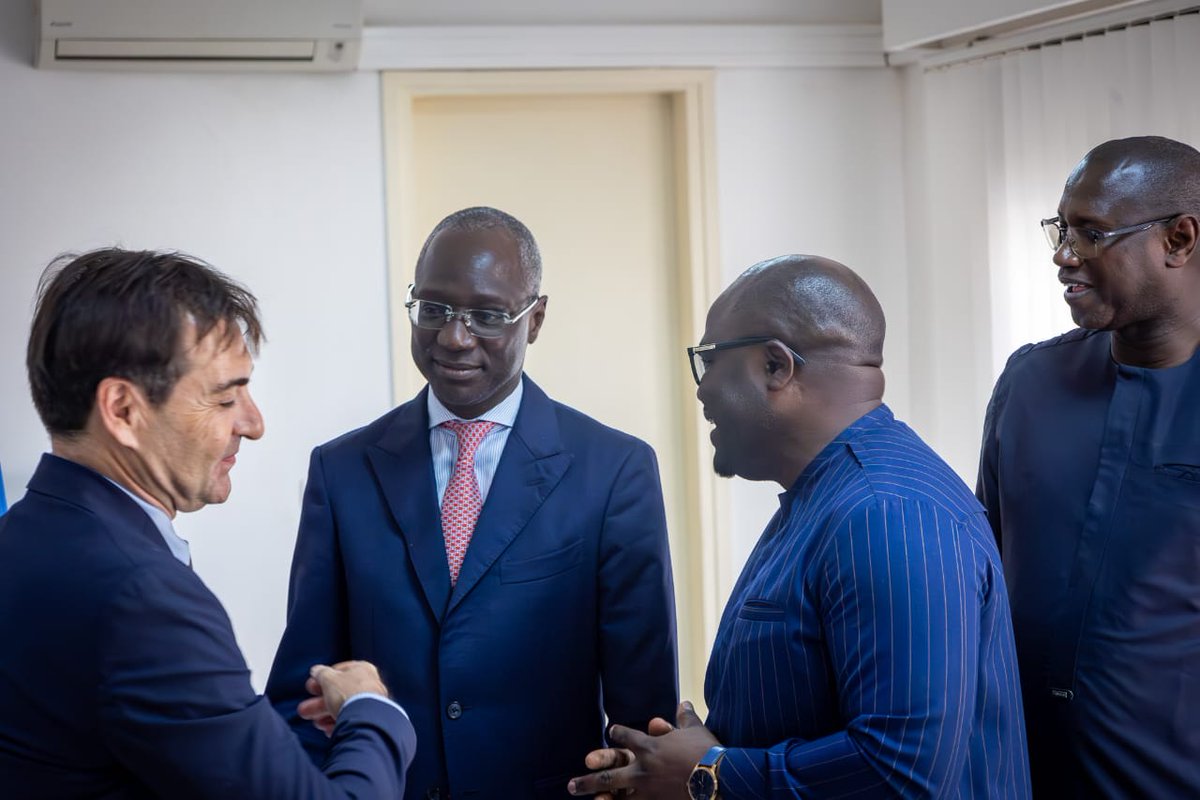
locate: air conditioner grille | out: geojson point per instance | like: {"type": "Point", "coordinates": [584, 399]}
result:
{"type": "Point", "coordinates": [297, 50]}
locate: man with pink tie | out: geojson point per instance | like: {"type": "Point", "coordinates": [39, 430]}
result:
{"type": "Point", "coordinates": [502, 557]}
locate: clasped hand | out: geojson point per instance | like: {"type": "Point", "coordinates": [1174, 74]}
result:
{"type": "Point", "coordinates": [652, 765]}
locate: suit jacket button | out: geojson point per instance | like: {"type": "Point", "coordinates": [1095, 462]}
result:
{"type": "Point", "coordinates": [454, 710]}
{"type": "Point", "coordinates": [433, 794]}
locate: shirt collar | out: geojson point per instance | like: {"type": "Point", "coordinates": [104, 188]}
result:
{"type": "Point", "coordinates": [178, 545]}
{"type": "Point", "coordinates": [876, 417]}
{"type": "Point", "coordinates": [503, 413]}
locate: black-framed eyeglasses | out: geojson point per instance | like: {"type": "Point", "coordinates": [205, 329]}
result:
{"type": "Point", "coordinates": [697, 355]}
{"type": "Point", "coordinates": [483, 322]}
{"type": "Point", "coordinates": [1088, 242]}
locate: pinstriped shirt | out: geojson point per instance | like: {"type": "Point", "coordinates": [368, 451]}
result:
{"type": "Point", "coordinates": [443, 444]}
{"type": "Point", "coordinates": [867, 648]}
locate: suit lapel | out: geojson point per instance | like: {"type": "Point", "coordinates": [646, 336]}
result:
{"type": "Point", "coordinates": [403, 465]}
{"type": "Point", "coordinates": [531, 466]}
{"type": "Point", "coordinates": [82, 486]}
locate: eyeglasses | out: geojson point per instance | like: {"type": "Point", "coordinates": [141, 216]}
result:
{"type": "Point", "coordinates": [483, 322]}
{"type": "Point", "coordinates": [699, 353]}
{"type": "Point", "coordinates": [1088, 242]}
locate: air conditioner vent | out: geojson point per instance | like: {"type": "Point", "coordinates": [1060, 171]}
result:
{"type": "Point", "coordinates": [189, 35]}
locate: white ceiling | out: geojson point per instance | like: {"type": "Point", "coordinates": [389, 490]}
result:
{"type": "Point", "coordinates": [379, 13]}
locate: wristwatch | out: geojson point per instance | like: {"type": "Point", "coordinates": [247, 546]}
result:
{"type": "Point", "coordinates": [704, 783]}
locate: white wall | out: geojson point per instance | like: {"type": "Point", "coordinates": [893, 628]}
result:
{"type": "Point", "coordinates": [278, 180]}
{"type": "Point", "coordinates": [275, 179]}
{"type": "Point", "coordinates": [620, 12]}
{"type": "Point", "coordinates": [809, 161]}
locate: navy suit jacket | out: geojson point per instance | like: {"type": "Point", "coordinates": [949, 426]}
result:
{"type": "Point", "coordinates": [563, 611]}
{"type": "Point", "coordinates": [120, 676]}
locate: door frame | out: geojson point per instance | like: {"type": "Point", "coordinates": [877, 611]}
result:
{"type": "Point", "coordinates": [706, 499]}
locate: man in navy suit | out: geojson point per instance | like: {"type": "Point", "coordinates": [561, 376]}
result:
{"type": "Point", "coordinates": [119, 674]}
{"type": "Point", "coordinates": [866, 649]}
{"type": "Point", "coordinates": [502, 557]}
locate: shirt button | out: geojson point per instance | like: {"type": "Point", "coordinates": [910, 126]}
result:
{"type": "Point", "coordinates": [454, 710]}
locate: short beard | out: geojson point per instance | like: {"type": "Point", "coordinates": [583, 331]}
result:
{"type": "Point", "coordinates": [723, 470]}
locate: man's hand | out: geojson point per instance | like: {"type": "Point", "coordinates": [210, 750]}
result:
{"type": "Point", "coordinates": [612, 757]}
{"type": "Point", "coordinates": [331, 686]}
{"type": "Point", "coordinates": [653, 765]}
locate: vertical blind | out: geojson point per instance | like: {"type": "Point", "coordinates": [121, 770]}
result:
{"type": "Point", "coordinates": [1029, 116]}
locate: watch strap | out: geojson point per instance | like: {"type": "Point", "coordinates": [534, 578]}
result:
{"type": "Point", "coordinates": [713, 755]}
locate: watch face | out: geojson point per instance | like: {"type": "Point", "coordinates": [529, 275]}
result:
{"type": "Point", "coordinates": [702, 785]}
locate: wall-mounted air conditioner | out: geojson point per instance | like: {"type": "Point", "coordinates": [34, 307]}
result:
{"type": "Point", "coordinates": [314, 35]}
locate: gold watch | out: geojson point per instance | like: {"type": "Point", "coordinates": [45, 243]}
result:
{"type": "Point", "coordinates": [705, 783]}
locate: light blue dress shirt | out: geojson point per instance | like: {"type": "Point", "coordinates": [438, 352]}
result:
{"type": "Point", "coordinates": [443, 443]}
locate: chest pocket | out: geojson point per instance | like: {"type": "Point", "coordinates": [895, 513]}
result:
{"type": "Point", "coordinates": [1176, 476]}
{"type": "Point", "coordinates": [1184, 472]}
{"type": "Point", "coordinates": [543, 566]}
{"type": "Point", "coordinates": [761, 611]}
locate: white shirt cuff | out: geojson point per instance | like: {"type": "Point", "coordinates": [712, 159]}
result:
{"type": "Point", "coordinates": [374, 696]}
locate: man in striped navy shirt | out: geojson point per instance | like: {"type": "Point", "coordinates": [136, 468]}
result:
{"type": "Point", "coordinates": [867, 649]}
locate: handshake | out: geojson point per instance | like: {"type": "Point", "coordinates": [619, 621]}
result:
{"type": "Point", "coordinates": [332, 686]}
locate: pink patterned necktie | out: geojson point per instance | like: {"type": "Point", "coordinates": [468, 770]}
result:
{"type": "Point", "coordinates": [462, 502]}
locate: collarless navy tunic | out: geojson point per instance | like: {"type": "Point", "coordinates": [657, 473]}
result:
{"type": "Point", "coordinates": [1090, 472]}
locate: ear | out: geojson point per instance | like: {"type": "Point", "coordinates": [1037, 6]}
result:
{"type": "Point", "coordinates": [121, 408]}
{"type": "Point", "coordinates": [536, 318]}
{"type": "Point", "coordinates": [1181, 240]}
{"type": "Point", "coordinates": [780, 366]}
